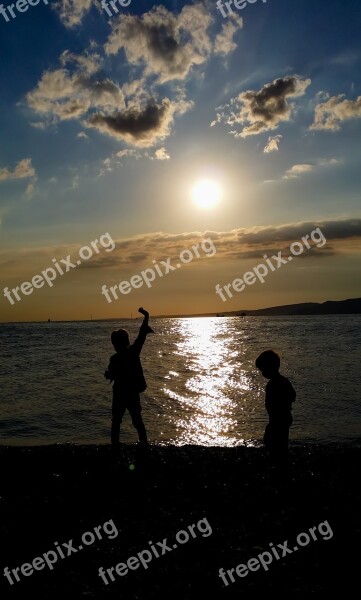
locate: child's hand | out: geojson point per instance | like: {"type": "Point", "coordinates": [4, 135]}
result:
{"type": "Point", "coordinates": [143, 312]}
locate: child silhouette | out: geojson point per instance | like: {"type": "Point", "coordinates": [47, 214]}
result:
{"type": "Point", "coordinates": [125, 369]}
{"type": "Point", "coordinates": [279, 398]}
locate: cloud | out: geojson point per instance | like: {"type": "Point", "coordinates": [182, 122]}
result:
{"type": "Point", "coordinates": [30, 189]}
{"type": "Point", "coordinates": [343, 236]}
{"type": "Point", "coordinates": [75, 182]}
{"type": "Point", "coordinates": [88, 63]}
{"type": "Point", "coordinates": [265, 109]}
{"type": "Point", "coordinates": [224, 43]}
{"type": "Point", "coordinates": [83, 135]}
{"type": "Point", "coordinates": [161, 154]}
{"type": "Point", "coordinates": [334, 231]}
{"type": "Point", "coordinates": [272, 144]}
{"type": "Point", "coordinates": [22, 170]}
{"type": "Point", "coordinates": [252, 243]}
{"type": "Point", "coordinates": [330, 114]}
{"type": "Point", "coordinates": [72, 12]}
{"type": "Point", "coordinates": [127, 152]}
{"type": "Point", "coordinates": [141, 126]}
{"type": "Point", "coordinates": [329, 162]}
{"type": "Point", "coordinates": [62, 95]}
{"type": "Point", "coordinates": [297, 170]}
{"type": "Point", "coordinates": [165, 44]}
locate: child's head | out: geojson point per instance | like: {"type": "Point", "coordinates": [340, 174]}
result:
{"type": "Point", "coordinates": [120, 339]}
{"type": "Point", "coordinates": [268, 363]}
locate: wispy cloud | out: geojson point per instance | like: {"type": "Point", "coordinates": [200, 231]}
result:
{"type": "Point", "coordinates": [331, 114]}
{"type": "Point", "coordinates": [297, 170]}
{"type": "Point", "coordinates": [224, 43]}
{"type": "Point", "coordinates": [72, 12]}
{"type": "Point", "coordinates": [22, 170]}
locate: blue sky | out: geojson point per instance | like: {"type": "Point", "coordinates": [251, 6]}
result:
{"type": "Point", "coordinates": [107, 123]}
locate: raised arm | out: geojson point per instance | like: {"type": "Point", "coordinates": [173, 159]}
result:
{"type": "Point", "coordinates": [143, 331]}
{"type": "Point", "coordinates": [146, 316]}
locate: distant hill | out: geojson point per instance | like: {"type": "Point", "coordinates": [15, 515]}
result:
{"type": "Point", "coordinates": [331, 307]}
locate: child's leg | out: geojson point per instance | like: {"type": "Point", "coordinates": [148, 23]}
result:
{"type": "Point", "coordinates": [281, 441]}
{"type": "Point", "coordinates": [267, 437]}
{"type": "Point", "coordinates": [135, 410]}
{"type": "Point", "coordinates": [118, 410]}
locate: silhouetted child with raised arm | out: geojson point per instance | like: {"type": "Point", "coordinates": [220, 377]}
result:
{"type": "Point", "coordinates": [279, 398]}
{"type": "Point", "coordinates": [125, 369]}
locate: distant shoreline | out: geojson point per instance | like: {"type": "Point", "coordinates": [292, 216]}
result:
{"type": "Point", "coordinates": [350, 306]}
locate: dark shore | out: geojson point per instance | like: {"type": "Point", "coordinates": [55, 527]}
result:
{"type": "Point", "coordinates": [56, 493]}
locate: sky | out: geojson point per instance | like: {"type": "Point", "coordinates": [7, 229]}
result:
{"type": "Point", "coordinates": [109, 125]}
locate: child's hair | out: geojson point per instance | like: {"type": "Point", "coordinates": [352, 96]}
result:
{"type": "Point", "coordinates": [268, 359]}
{"type": "Point", "coordinates": [120, 338]}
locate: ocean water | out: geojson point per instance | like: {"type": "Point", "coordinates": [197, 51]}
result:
{"type": "Point", "coordinates": [203, 387]}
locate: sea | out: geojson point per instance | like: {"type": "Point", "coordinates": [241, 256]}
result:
{"type": "Point", "coordinates": [203, 386]}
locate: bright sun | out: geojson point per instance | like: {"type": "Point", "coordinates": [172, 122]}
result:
{"type": "Point", "coordinates": [206, 193]}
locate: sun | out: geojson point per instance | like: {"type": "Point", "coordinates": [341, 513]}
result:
{"type": "Point", "coordinates": [206, 193]}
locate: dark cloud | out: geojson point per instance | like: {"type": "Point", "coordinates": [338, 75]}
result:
{"type": "Point", "coordinates": [141, 126]}
{"type": "Point", "coordinates": [332, 230]}
{"type": "Point", "coordinates": [263, 110]}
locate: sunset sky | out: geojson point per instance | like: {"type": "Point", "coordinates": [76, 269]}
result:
{"type": "Point", "coordinates": [108, 124]}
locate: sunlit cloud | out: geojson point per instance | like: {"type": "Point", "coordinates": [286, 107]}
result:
{"type": "Point", "coordinates": [272, 144]}
{"type": "Point", "coordinates": [297, 170]}
{"type": "Point", "coordinates": [163, 43]}
{"type": "Point", "coordinates": [161, 154]}
{"type": "Point", "coordinates": [22, 170]}
{"type": "Point", "coordinates": [224, 43]}
{"type": "Point", "coordinates": [72, 12]}
{"type": "Point", "coordinates": [331, 114]}
{"type": "Point", "coordinates": [343, 237]}
{"type": "Point", "coordinates": [265, 109]}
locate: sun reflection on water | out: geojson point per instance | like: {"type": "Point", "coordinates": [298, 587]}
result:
{"type": "Point", "coordinates": [208, 403]}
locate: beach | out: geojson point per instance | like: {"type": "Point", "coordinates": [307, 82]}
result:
{"type": "Point", "coordinates": [53, 494]}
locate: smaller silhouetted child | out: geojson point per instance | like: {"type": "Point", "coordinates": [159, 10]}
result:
{"type": "Point", "coordinates": [125, 369]}
{"type": "Point", "coordinates": [279, 398]}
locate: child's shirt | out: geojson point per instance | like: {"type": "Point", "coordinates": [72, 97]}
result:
{"type": "Point", "coordinates": [279, 397]}
{"type": "Point", "coordinates": [125, 367]}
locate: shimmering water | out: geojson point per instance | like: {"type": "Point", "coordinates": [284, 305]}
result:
{"type": "Point", "coordinates": [203, 387]}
